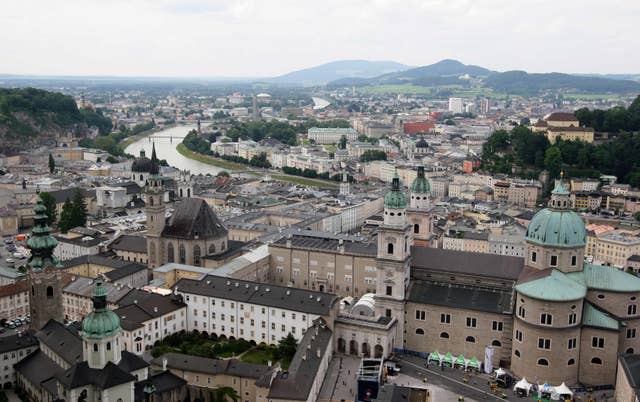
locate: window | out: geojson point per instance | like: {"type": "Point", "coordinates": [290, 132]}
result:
{"type": "Point", "coordinates": [390, 248]}
{"type": "Point", "coordinates": [387, 312]}
{"type": "Point", "coordinates": [596, 360]}
{"type": "Point", "coordinates": [445, 318]}
{"type": "Point", "coordinates": [521, 312]}
{"type": "Point", "coordinates": [571, 362]}
{"type": "Point", "coordinates": [196, 255]}
{"type": "Point", "coordinates": [629, 351]}
{"type": "Point", "coordinates": [470, 339]}
{"type": "Point", "coordinates": [517, 353]}
{"type": "Point", "coordinates": [182, 254]}
{"type": "Point", "coordinates": [108, 345]}
{"type": "Point", "coordinates": [597, 342]}
{"type": "Point", "coordinates": [631, 309]}
{"type": "Point", "coordinates": [534, 256]}
{"type": "Point", "coordinates": [472, 322]}
{"type": "Point", "coordinates": [631, 333]}
{"type": "Point", "coordinates": [573, 318]}
{"type": "Point", "coordinates": [416, 228]}
{"type": "Point", "coordinates": [518, 336]}
{"type": "Point", "coordinates": [544, 343]}
{"type": "Point", "coordinates": [543, 362]}
{"type": "Point", "coordinates": [496, 326]}
{"type": "Point", "coordinates": [212, 249]}
{"type": "Point", "coordinates": [546, 319]}
{"type": "Point", "coordinates": [571, 344]}
{"type": "Point", "coordinates": [170, 257]}
{"type": "Point", "coordinates": [419, 331]}
{"type": "Point", "coordinates": [389, 290]}
{"type": "Point", "coordinates": [554, 261]}
{"type": "Point", "coordinates": [444, 335]}
{"type": "Point", "coordinates": [95, 347]}
{"type": "Point", "coordinates": [574, 260]}
{"type": "Point", "coordinates": [49, 292]}
{"type": "Point", "coordinates": [496, 342]}
{"type": "Point", "coordinates": [421, 315]}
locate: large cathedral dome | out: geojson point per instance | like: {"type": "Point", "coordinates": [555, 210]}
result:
{"type": "Point", "coordinates": [557, 225]}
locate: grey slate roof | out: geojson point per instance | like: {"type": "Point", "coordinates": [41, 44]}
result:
{"type": "Point", "coordinates": [136, 244]}
{"type": "Point", "coordinates": [62, 340]}
{"type": "Point", "coordinates": [162, 382]}
{"type": "Point", "coordinates": [296, 383]}
{"type": "Point", "coordinates": [193, 218]}
{"type": "Point", "coordinates": [302, 300]}
{"type": "Point", "coordinates": [469, 298]}
{"type": "Point", "coordinates": [62, 195]}
{"type": "Point", "coordinates": [130, 362]}
{"type": "Point", "coordinates": [212, 366]}
{"type": "Point", "coordinates": [83, 286]}
{"type": "Point", "coordinates": [466, 263]}
{"type": "Point", "coordinates": [37, 368]}
{"type": "Point", "coordinates": [397, 393]}
{"type": "Point", "coordinates": [120, 270]}
{"type": "Point", "coordinates": [17, 342]}
{"type": "Point", "coordinates": [329, 244]}
{"type": "Point", "coordinates": [631, 368]}
{"type": "Point", "coordinates": [81, 374]}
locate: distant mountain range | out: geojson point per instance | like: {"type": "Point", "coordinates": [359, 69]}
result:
{"type": "Point", "coordinates": [336, 70]}
{"type": "Point", "coordinates": [452, 72]}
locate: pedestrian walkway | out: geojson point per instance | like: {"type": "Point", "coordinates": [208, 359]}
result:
{"type": "Point", "coordinates": [340, 382]}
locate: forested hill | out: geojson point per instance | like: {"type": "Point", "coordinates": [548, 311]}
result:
{"type": "Point", "coordinates": [29, 117]}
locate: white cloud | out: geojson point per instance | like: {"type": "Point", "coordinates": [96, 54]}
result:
{"type": "Point", "coordinates": [268, 37]}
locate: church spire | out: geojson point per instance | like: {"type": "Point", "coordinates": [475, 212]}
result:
{"type": "Point", "coordinates": [155, 164]}
{"type": "Point", "coordinates": [41, 243]}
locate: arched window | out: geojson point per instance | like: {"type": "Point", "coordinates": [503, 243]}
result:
{"type": "Point", "coordinates": [596, 360]}
{"type": "Point", "coordinates": [444, 335]}
{"type": "Point", "coordinates": [33, 291]}
{"type": "Point", "coordinates": [170, 256]}
{"type": "Point", "coordinates": [182, 254]}
{"type": "Point", "coordinates": [188, 192]}
{"type": "Point", "coordinates": [419, 331]}
{"type": "Point", "coordinates": [196, 255]}
{"type": "Point", "coordinates": [150, 201]}
{"type": "Point", "coordinates": [517, 353]}
{"type": "Point", "coordinates": [108, 345]}
{"type": "Point", "coordinates": [416, 228]}
{"type": "Point", "coordinates": [181, 193]}
{"type": "Point", "coordinates": [496, 342]}
{"type": "Point", "coordinates": [223, 246]}
{"type": "Point", "coordinates": [390, 248]}
{"type": "Point", "coordinates": [49, 292]}
{"type": "Point", "coordinates": [571, 362]}
{"type": "Point", "coordinates": [470, 339]}
{"type": "Point", "coordinates": [630, 351]}
{"type": "Point", "coordinates": [95, 347]}
{"type": "Point", "coordinates": [212, 249]}
{"type": "Point", "coordinates": [141, 178]}
{"type": "Point", "coordinates": [543, 362]}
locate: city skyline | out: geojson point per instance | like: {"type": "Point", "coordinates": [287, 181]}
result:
{"type": "Point", "coordinates": [263, 39]}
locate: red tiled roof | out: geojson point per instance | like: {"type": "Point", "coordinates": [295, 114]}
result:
{"type": "Point", "coordinates": [418, 127]}
{"type": "Point", "coordinates": [561, 116]}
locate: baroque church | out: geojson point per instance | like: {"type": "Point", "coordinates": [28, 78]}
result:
{"type": "Point", "coordinates": [86, 363]}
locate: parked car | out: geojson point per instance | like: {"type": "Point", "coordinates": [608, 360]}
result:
{"type": "Point", "coordinates": [10, 261]}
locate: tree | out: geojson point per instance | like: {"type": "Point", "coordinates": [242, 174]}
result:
{"type": "Point", "coordinates": [66, 220]}
{"type": "Point", "coordinates": [52, 164]}
{"type": "Point", "coordinates": [223, 173]}
{"type": "Point", "coordinates": [553, 161]}
{"type": "Point", "coordinates": [50, 203]}
{"type": "Point", "coordinates": [373, 155]}
{"type": "Point", "coordinates": [287, 347]}
{"type": "Point", "coordinates": [637, 216]}
{"type": "Point", "coordinates": [79, 211]}
{"type": "Point", "coordinates": [342, 144]}
{"type": "Point", "coordinates": [525, 121]}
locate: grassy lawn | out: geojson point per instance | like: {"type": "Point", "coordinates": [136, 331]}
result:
{"type": "Point", "coordinates": [591, 96]}
{"type": "Point", "coordinates": [398, 89]}
{"type": "Point", "coordinates": [263, 356]}
{"type": "Point", "coordinates": [304, 181]}
{"type": "Point", "coordinates": [210, 160]}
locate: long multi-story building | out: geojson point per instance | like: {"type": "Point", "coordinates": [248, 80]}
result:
{"type": "Point", "coordinates": [331, 135]}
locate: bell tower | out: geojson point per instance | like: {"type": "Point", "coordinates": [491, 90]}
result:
{"type": "Point", "coordinates": [393, 259]}
{"type": "Point", "coordinates": [101, 331]}
{"type": "Point", "coordinates": [44, 274]}
{"type": "Point", "coordinates": [155, 210]}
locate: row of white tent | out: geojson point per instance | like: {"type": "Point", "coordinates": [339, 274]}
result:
{"type": "Point", "coordinates": [561, 391]}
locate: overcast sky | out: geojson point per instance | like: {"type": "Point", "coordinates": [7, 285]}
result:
{"type": "Point", "coordinates": [272, 37]}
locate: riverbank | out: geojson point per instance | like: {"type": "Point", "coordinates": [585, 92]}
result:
{"type": "Point", "coordinates": [221, 163]}
{"type": "Point", "coordinates": [130, 140]}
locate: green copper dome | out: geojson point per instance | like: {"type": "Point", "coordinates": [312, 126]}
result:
{"type": "Point", "coordinates": [101, 322]}
{"type": "Point", "coordinates": [395, 198]}
{"type": "Point", "coordinates": [421, 185]}
{"type": "Point", "coordinates": [557, 226]}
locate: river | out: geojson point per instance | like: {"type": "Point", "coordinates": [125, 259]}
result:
{"type": "Point", "coordinates": [166, 149]}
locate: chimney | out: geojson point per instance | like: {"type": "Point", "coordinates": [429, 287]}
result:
{"type": "Point", "coordinates": [164, 363]}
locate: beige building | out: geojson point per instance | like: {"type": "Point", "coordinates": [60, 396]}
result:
{"type": "Point", "coordinates": [14, 300]}
{"type": "Point", "coordinates": [614, 247]}
{"type": "Point", "coordinates": [565, 126]}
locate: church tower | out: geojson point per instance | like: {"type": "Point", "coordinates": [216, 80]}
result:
{"type": "Point", "coordinates": [44, 275]}
{"type": "Point", "coordinates": [101, 331]}
{"type": "Point", "coordinates": [344, 185]}
{"type": "Point", "coordinates": [393, 259]}
{"type": "Point", "coordinates": [185, 185]}
{"type": "Point", "coordinates": [155, 210]}
{"type": "Point", "coordinates": [418, 214]}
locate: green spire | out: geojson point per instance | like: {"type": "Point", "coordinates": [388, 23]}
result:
{"type": "Point", "coordinates": [395, 198]}
{"type": "Point", "coordinates": [420, 185]}
{"type": "Point", "coordinates": [41, 243]}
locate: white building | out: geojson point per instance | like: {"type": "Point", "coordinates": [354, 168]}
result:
{"type": "Point", "coordinates": [252, 310]}
{"type": "Point", "coordinates": [456, 105]}
{"type": "Point", "coordinates": [331, 135]}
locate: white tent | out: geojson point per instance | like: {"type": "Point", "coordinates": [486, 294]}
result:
{"type": "Point", "coordinates": [562, 389]}
{"type": "Point", "coordinates": [500, 372]}
{"type": "Point", "coordinates": [524, 385]}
